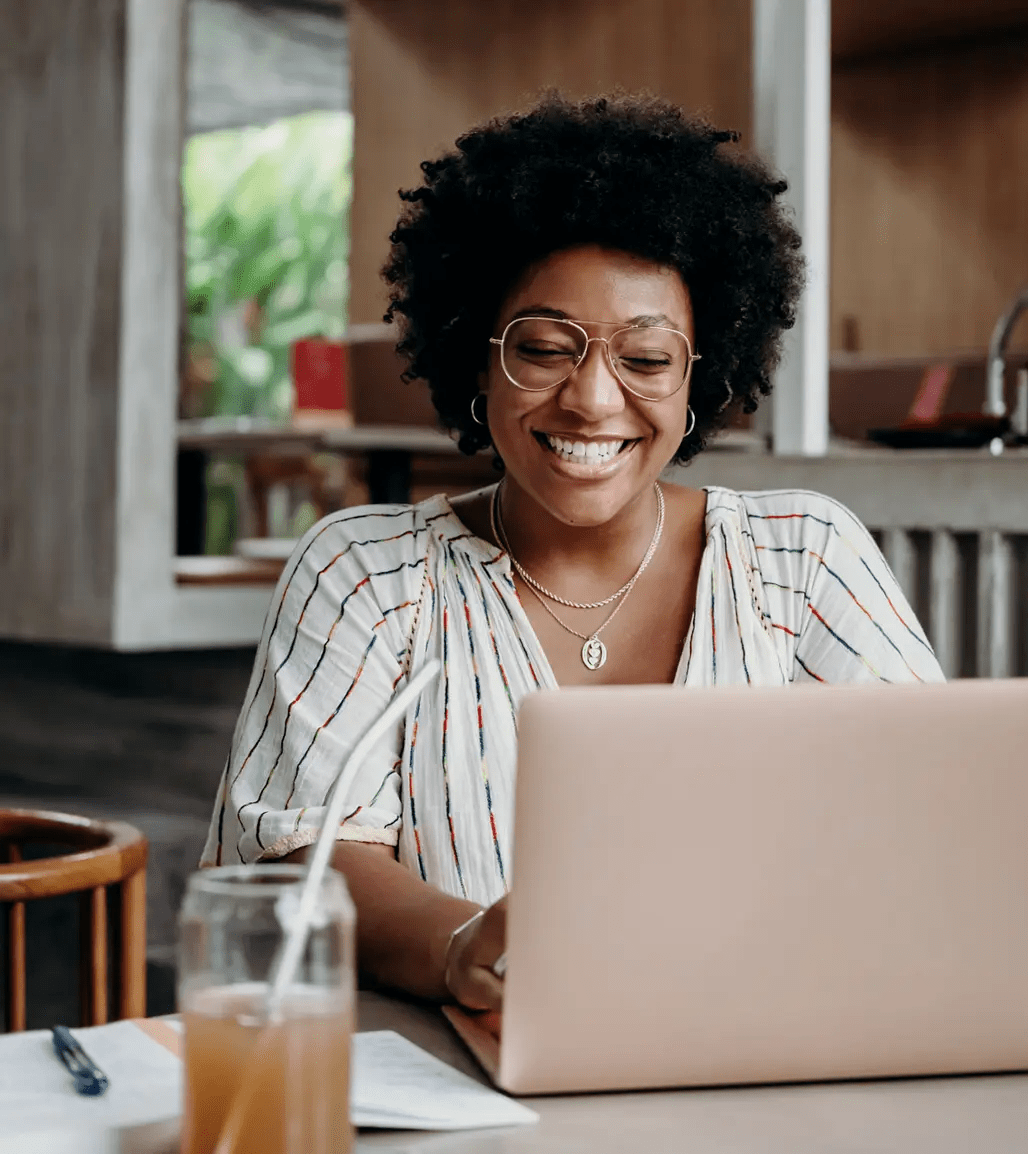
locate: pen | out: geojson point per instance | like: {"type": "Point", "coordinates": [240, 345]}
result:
{"type": "Point", "coordinates": [89, 1078]}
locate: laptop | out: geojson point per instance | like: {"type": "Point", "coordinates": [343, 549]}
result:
{"type": "Point", "coordinates": [723, 886]}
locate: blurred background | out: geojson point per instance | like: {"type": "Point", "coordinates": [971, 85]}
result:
{"type": "Point", "coordinates": [195, 203]}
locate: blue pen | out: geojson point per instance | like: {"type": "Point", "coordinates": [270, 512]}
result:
{"type": "Point", "coordinates": [89, 1078]}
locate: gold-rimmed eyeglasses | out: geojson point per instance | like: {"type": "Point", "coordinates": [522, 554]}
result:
{"type": "Point", "coordinates": [539, 353]}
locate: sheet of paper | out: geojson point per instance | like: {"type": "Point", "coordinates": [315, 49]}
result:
{"type": "Point", "coordinates": [37, 1092]}
{"type": "Point", "coordinates": [397, 1085]}
{"type": "Point", "coordinates": [151, 1138]}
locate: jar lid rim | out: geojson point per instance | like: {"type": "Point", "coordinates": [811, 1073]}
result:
{"type": "Point", "coordinates": [259, 879]}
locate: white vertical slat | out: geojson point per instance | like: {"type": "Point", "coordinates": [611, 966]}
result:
{"type": "Point", "coordinates": [944, 605]}
{"type": "Point", "coordinates": [995, 604]}
{"type": "Point", "coordinates": [899, 552]}
{"type": "Point", "coordinates": [792, 83]}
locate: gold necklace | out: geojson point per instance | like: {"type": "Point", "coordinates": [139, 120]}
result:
{"type": "Point", "coordinates": [594, 651]}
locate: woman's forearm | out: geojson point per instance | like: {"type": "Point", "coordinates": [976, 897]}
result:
{"type": "Point", "coordinates": [403, 924]}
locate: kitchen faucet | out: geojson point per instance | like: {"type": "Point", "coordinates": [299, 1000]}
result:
{"type": "Point", "coordinates": [995, 405]}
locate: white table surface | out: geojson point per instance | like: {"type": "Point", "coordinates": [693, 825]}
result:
{"type": "Point", "coordinates": [965, 1115]}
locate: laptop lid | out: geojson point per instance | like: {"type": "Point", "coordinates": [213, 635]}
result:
{"type": "Point", "coordinates": [747, 885]}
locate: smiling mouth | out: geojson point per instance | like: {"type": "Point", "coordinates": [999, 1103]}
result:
{"type": "Point", "coordinates": [583, 452]}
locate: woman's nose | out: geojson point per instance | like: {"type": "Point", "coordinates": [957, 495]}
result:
{"type": "Point", "coordinates": [593, 390]}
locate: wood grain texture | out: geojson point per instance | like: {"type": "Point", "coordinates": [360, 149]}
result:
{"type": "Point", "coordinates": [929, 196]}
{"type": "Point", "coordinates": [423, 73]}
{"type": "Point", "coordinates": [232, 571]}
{"type": "Point", "coordinates": [107, 853]}
{"type": "Point", "coordinates": [860, 29]}
{"type": "Point", "coordinates": [93, 961]}
{"type": "Point", "coordinates": [91, 95]}
{"type": "Point", "coordinates": [61, 70]}
{"type": "Point", "coordinates": [132, 959]}
{"type": "Point", "coordinates": [15, 1002]}
{"type": "Point", "coordinates": [15, 975]}
{"type": "Point", "coordinates": [103, 853]}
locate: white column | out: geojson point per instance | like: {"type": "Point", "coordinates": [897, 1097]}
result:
{"type": "Point", "coordinates": [995, 604]}
{"type": "Point", "coordinates": [792, 77]}
{"type": "Point", "coordinates": [150, 306]}
{"type": "Point", "coordinates": [944, 621]}
{"type": "Point", "coordinates": [899, 552]}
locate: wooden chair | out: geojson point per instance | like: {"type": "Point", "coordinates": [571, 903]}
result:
{"type": "Point", "coordinates": [103, 853]}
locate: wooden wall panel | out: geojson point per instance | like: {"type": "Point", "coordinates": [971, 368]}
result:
{"type": "Point", "coordinates": [860, 28]}
{"type": "Point", "coordinates": [423, 73]}
{"type": "Point", "coordinates": [61, 74]}
{"type": "Point", "coordinates": [929, 196]}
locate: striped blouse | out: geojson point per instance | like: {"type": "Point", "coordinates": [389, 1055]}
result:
{"type": "Point", "coordinates": [791, 588]}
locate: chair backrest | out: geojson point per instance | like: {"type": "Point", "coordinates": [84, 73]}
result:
{"type": "Point", "coordinates": [102, 854]}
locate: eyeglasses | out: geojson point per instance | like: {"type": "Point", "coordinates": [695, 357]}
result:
{"type": "Point", "coordinates": [539, 353]}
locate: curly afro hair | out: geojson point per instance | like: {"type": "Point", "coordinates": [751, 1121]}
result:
{"type": "Point", "coordinates": [632, 173]}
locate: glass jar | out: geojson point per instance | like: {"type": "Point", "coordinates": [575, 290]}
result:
{"type": "Point", "coordinates": [254, 1083]}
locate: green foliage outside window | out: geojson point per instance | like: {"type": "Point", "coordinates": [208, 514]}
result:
{"type": "Point", "coordinates": [266, 252]}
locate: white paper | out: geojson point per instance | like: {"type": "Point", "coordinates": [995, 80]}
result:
{"type": "Point", "coordinates": [151, 1138]}
{"type": "Point", "coordinates": [38, 1093]}
{"type": "Point", "coordinates": [397, 1085]}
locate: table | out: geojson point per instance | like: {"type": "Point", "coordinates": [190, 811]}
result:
{"type": "Point", "coordinates": [388, 448]}
{"type": "Point", "coordinates": [936, 1115]}
{"type": "Point", "coordinates": [983, 1115]}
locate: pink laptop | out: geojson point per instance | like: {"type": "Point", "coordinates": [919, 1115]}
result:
{"type": "Point", "coordinates": [737, 885]}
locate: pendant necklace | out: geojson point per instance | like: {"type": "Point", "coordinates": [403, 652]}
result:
{"type": "Point", "coordinates": [594, 651]}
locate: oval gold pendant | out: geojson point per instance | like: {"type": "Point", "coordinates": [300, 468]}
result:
{"type": "Point", "coordinates": [594, 653]}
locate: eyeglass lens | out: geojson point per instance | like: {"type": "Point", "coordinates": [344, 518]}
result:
{"type": "Point", "coordinates": [540, 352]}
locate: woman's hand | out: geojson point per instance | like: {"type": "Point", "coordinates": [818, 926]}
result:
{"type": "Point", "coordinates": [472, 951]}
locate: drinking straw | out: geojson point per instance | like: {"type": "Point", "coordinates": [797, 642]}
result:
{"type": "Point", "coordinates": [298, 932]}
{"type": "Point", "coordinates": [296, 940]}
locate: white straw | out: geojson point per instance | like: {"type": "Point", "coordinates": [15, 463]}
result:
{"type": "Point", "coordinates": [296, 940]}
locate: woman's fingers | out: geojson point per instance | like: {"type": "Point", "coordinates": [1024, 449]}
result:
{"type": "Point", "coordinates": [480, 989]}
{"type": "Point", "coordinates": [473, 950]}
{"type": "Point", "coordinates": [491, 1021]}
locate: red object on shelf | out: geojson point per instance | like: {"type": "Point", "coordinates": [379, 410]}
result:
{"type": "Point", "coordinates": [319, 369]}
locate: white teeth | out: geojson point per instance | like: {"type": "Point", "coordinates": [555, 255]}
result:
{"type": "Point", "coordinates": [593, 452]}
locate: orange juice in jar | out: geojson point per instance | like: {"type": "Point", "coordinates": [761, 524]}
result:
{"type": "Point", "coordinates": [254, 1084]}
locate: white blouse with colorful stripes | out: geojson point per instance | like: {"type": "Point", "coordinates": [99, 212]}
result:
{"type": "Point", "coordinates": [791, 588]}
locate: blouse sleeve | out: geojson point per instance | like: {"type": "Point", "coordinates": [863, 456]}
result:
{"type": "Point", "coordinates": [852, 622]}
{"type": "Point", "coordinates": [330, 658]}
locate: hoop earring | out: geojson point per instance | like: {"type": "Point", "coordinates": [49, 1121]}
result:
{"type": "Point", "coordinates": [474, 416]}
{"type": "Point", "coordinates": [692, 424]}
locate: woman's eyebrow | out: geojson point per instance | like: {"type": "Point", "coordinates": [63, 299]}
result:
{"type": "Point", "coordinates": [654, 319]}
{"type": "Point", "coordinates": [559, 314]}
{"type": "Point", "coordinates": [540, 311]}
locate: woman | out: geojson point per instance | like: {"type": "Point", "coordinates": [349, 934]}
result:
{"type": "Point", "coordinates": [590, 291]}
